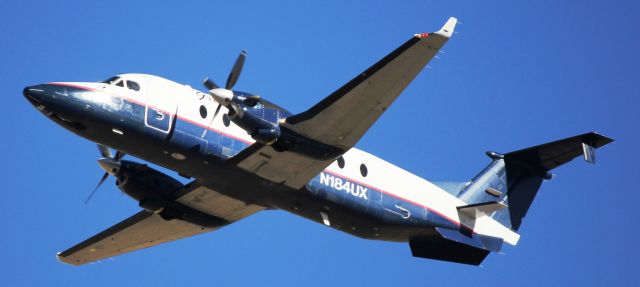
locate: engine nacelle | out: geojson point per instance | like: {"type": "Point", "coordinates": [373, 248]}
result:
{"type": "Point", "coordinates": [258, 121]}
{"type": "Point", "coordinates": [141, 182]}
{"type": "Point", "coordinates": [154, 191]}
{"type": "Point", "coordinates": [266, 136]}
{"type": "Point", "coordinates": [262, 122]}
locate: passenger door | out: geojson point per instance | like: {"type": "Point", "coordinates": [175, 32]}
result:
{"type": "Point", "coordinates": [161, 106]}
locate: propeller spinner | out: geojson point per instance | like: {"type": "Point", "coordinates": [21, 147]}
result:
{"type": "Point", "coordinates": [109, 163]}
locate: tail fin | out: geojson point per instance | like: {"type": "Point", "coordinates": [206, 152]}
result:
{"type": "Point", "coordinates": [514, 178]}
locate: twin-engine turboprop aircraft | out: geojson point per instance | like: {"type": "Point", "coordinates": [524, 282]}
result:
{"type": "Point", "coordinates": [247, 154]}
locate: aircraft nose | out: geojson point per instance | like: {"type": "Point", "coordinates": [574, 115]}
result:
{"type": "Point", "coordinates": [35, 94]}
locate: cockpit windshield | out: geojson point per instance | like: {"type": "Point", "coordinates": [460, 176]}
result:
{"type": "Point", "coordinates": [111, 80]}
{"type": "Point", "coordinates": [120, 82]}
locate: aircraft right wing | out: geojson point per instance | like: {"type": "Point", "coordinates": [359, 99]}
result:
{"type": "Point", "coordinates": [342, 118]}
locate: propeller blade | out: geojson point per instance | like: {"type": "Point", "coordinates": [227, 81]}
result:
{"type": "Point", "coordinates": [216, 113]}
{"type": "Point", "coordinates": [118, 155]}
{"type": "Point", "coordinates": [210, 84]}
{"type": "Point", "coordinates": [235, 112]}
{"type": "Point", "coordinates": [104, 177]}
{"type": "Point", "coordinates": [104, 151]}
{"type": "Point", "coordinates": [204, 133]}
{"type": "Point", "coordinates": [235, 72]}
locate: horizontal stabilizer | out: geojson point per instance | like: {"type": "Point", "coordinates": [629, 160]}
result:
{"type": "Point", "coordinates": [453, 246]}
{"type": "Point", "coordinates": [526, 168]}
{"type": "Point", "coordinates": [551, 155]}
{"type": "Point", "coordinates": [481, 209]}
{"type": "Point", "coordinates": [484, 242]}
{"type": "Point", "coordinates": [438, 248]}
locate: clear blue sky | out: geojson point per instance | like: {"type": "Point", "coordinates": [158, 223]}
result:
{"type": "Point", "coordinates": [514, 75]}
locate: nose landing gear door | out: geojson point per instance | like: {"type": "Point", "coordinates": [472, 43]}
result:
{"type": "Point", "coordinates": [161, 106]}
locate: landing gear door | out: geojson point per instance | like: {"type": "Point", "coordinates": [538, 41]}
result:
{"type": "Point", "coordinates": [160, 107]}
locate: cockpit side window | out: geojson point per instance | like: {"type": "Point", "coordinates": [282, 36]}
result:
{"type": "Point", "coordinates": [133, 85]}
{"type": "Point", "coordinates": [120, 84]}
{"type": "Point", "coordinates": [111, 80]}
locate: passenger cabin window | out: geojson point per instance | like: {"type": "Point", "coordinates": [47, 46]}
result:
{"type": "Point", "coordinates": [133, 86]}
{"type": "Point", "coordinates": [225, 120]}
{"type": "Point", "coordinates": [363, 170]}
{"type": "Point", "coordinates": [203, 111]}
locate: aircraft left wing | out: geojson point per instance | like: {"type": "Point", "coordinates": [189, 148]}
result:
{"type": "Point", "coordinates": [142, 230]}
{"type": "Point", "coordinates": [147, 229]}
{"type": "Point", "coordinates": [341, 119]}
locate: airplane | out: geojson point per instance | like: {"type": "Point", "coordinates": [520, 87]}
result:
{"type": "Point", "coordinates": [245, 154]}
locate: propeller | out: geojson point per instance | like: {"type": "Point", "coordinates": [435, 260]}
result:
{"type": "Point", "coordinates": [110, 164]}
{"type": "Point", "coordinates": [224, 96]}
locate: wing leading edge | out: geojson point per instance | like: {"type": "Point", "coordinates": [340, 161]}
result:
{"type": "Point", "coordinates": [342, 118]}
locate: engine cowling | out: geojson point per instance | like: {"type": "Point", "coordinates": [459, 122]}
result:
{"type": "Point", "coordinates": [261, 120]}
{"type": "Point", "coordinates": [154, 190]}
{"type": "Point", "coordinates": [142, 182]}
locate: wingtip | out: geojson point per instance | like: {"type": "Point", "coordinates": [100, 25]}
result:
{"type": "Point", "coordinates": [61, 258]}
{"type": "Point", "coordinates": [605, 138]}
{"type": "Point", "coordinates": [448, 28]}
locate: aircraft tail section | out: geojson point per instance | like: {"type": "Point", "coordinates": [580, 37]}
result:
{"type": "Point", "coordinates": [503, 191]}
{"type": "Point", "coordinates": [514, 178]}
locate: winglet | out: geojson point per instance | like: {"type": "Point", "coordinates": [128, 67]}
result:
{"type": "Point", "coordinates": [447, 29]}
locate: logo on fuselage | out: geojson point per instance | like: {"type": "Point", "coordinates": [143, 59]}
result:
{"type": "Point", "coordinates": [344, 185]}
